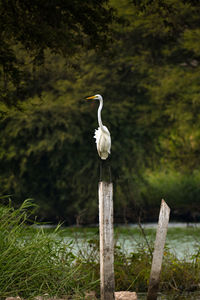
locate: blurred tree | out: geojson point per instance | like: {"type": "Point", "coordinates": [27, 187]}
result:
{"type": "Point", "coordinates": [60, 26]}
{"type": "Point", "coordinates": [47, 155]}
{"type": "Point", "coordinates": [150, 82]}
{"type": "Point", "coordinates": [170, 48]}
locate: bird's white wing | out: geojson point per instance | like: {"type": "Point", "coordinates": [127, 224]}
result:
{"type": "Point", "coordinates": [103, 142]}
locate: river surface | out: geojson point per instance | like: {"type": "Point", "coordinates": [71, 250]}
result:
{"type": "Point", "coordinates": [183, 239]}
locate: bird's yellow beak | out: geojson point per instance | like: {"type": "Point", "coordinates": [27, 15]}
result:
{"type": "Point", "coordinates": [92, 97]}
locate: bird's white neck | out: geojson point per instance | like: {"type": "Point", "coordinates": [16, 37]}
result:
{"type": "Point", "coordinates": [99, 113]}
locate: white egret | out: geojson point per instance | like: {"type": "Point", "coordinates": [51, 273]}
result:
{"type": "Point", "coordinates": [102, 134]}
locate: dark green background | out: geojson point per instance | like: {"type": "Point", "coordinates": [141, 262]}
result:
{"type": "Point", "coordinates": [144, 58]}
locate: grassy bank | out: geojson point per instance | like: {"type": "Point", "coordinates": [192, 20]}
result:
{"type": "Point", "coordinates": [35, 262]}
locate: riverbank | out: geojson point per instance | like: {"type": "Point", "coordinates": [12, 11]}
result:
{"type": "Point", "coordinates": [37, 261]}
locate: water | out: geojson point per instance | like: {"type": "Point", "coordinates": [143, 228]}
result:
{"type": "Point", "coordinates": [182, 238]}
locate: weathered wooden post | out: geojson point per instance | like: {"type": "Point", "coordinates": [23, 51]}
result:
{"type": "Point", "coordinates": [158, 251]}
{"type": "Point", "coordinates": [106, 241]}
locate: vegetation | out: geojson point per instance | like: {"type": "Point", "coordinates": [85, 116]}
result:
{"type": "Point", "coordinates": [144, 58]}
{"type": "Point", "coordinates": [33, 262]}
{"type": "Point", "coordinates": [57, 26]}
{"type": "Point", "coordinates": [149, 77]}
{"type": "Point", "coordinates": [38, 262]}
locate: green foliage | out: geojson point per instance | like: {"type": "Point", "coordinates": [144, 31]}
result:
{"type": "Point", "coordinates": [150, 82]}
{"type": "Point", "coordinates": [179, 275]}
{"type": "Point", "coordinates": [42, 134]}
{"type": "Point", "coordinates": [178, 189]}
{"type": "Point", "coordinates": [33, 262]}
{"type": "Point", "coordinates": [60, 27]}
{"type": "Point", "coordinates": [36, 261]}
{"type": "Point", "coordinates": [132, 270]}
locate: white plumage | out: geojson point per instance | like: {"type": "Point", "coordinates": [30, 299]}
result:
{"type": "Point", "coordinates": [102, 134]}
{"type": "Point", "coordinates": [103, 141]}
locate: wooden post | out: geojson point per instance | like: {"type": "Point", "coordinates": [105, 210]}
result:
{"type": "Point", "coordinates": [158, 251]}
{"type": "Point", "coordinates": [106, 241]}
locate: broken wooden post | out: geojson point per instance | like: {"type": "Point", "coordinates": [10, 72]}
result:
{"type": "Point", "coordinates": [106, 241]}
{"type": "Point", "coordinates": [158, 251]}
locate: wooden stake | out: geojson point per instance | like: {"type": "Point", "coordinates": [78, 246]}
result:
{"type": "Point", "coordinates": [158, 251]}
{"type": "Point", "coordinates": [106, 241]}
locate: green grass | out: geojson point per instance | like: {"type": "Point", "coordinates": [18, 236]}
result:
{"type": "Point", "coordinates": [36, 261]}
{"type": "Point", "coordinates": [33, 262]}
